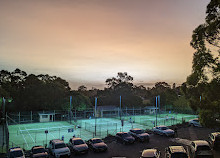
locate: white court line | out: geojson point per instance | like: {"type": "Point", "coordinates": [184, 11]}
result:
{"type": "Point", "coordinates": [30, 135]}
{"type": "Point", "coordinates": [84, 137]}
{"type": "Point", "coordinates": [51, 134]}
{"type": "Point", "coordinates": [24, 138]}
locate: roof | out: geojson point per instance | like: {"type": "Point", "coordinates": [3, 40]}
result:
{"type": "Point", "coordinates": [196, 119]}
{"type": "Point", "coordinates": [15, 149]}
{"type": "Point", "coordinates": [46, 113]}
{"type": "Point", "coordinates": [201, 142]}
{"type": "Point", "coordinates": [150, 107]}
{"type": "Point", "coordinates": [162, 126]}
{"type": "Point", "coordinates": [107, 107]}
{"type": "Point", "coordinates": [95, 138]}
{"type": "Point", "coordinates": [135, 129]}
{"type": "Point", "coordinates": [76, 138]}
{"type": "Point", "coordinates": [179, 149]}
{"type": "Point", "coordinates": [121, 132]}
{"type": "Point", "coordinates": [149, 153]}
{"type": "Point", "coordinates": [216, 134]}
{"type": "Point", "coordinates": [37, 147]}
{"type": "Point", "coordinates": [57, 141]}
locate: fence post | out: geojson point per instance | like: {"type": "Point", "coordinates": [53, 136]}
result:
{"type": "Point", "coordinates": [118, 112]}
{"type": "Point", "coordinates": [59, 133]}
{"type": "Point", "coordinates": [54, 115]}
{"type": "Point", "coordinates": [19, 117]}
{"type": "Point", "coordinates": [31, 116]}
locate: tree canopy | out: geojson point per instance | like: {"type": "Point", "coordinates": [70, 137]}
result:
{"type": "Point", "coordinates": [202, 86]}
{"type": "Point", "coordinates": [37, 92]}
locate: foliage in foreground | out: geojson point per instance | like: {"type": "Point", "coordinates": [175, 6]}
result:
{"type": "Point", "coordinates": [203, 85]}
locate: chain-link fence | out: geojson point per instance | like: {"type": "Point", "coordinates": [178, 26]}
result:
{"type": "Point", "coordinates": [101, 129]}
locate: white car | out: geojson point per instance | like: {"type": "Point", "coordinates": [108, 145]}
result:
{"type": "Point", "coordinates": [175, 152]}
{"type": "Point", "coordinates": [58, 148]}
{"type": "Point", "coordinates": [163, 130]}
{"type": "Point", "coordinates": [78, 146]}
{"type": "Point", "coordinates": [194, 122]}
{"type": "Point", "coordinates": [200, 148]}
{"type": "Point", "coordinates": [150, 153]}
{"type": "Point", "coordinates": [16, 152]}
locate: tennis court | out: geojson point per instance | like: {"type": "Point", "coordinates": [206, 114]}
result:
{"type": "Point", "coordinates": [28, 135]}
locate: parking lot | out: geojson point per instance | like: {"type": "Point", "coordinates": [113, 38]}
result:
{"type": "Point", "coordinates": [185, 134]}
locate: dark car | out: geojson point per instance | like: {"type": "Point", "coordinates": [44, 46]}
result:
{"type": "Point", "coordinates": [215, 140]}
{"type": "Point", "coordinates": [97, 145]}
{"type": "Point", "coordinates": [78, 146]}
{"type": "Point", "coordinates": [200, 148]}
{"type": "Point", "coordinates": [39, 152]}
{"type": "Point", "coordinates": [16, 152]}
{"type": "Point", "coordinates": [139, 134]}
{"type": "Point", "coordinates": [125, 138]}
{"type": "Point", "coordinates": [175, 152]}
{"type": "Point", "coordinates": [150, 153]}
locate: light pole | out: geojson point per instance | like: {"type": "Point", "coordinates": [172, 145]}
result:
{"type": "Point", "coordinates": [95, 113]}
{"type": "Point", "coordinates": [70, 110]}
{"type": "Point", "coordinates": [46, 132]}
{"type": "Point", "coordinates": [120, 107]}
{"type": "Point", "coordinates": [156, 110]}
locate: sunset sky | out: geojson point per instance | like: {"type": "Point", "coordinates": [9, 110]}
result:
{"type": "Point", "coordinates": [87, 41]}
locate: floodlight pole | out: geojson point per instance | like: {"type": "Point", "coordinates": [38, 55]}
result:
{"type": "Point", "coordinates": [95, 113]}
{"type": "Point", "coordinates": [159, 102]}
{"type": "Point", "coordinates": [156, 110]}
{"type": "Point", "coordinates": [3, 101]}
{"type": "Point", "coordinates": [70, 109]}
{"type": "Point", "coordinates": [3, 104]}
{"type": "Point", "coordinates": [120, 107]}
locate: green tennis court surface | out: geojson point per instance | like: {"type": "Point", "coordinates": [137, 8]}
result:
{"type": "Point", "coordinates": [28, 135]}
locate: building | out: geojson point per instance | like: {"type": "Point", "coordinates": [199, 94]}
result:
{"type": "Point", "coordinates": [107, 111]}
{"type": "Point", "coordinates": [46, 117]}
{"type": "Point", "coordinates": [150, 109]}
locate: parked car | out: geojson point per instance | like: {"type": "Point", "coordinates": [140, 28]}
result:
{"type": "Point", "coordinates": [150, 153]}
{"type": "Point", "coordinates": [39, 152]}
{"type": "Point", "coordinates": [200, 148]}
{"type": "Point", "coordinates": [163, 130]}
{"type": "Point", "coordinates": [175, 152]}
{"type": "Point", "coordinates": [215, 140]}
{"type": "Point", "coordinates": [195, 122]}
{"type": "Point", "coordinates": [139, 134]}
{"type": "Point", "coordinates": [58, 148]}
{"type": "Point", "coordinates": [125, 138]}
{"type": "Point", "coordinates": [97, 145]}
{"type": "Point", "coordinates": [16, 152]}
{"type": "Point", "coordinates": [78, 146]}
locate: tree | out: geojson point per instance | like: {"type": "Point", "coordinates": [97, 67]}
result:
{"type": "Point", "coordinates": [204, 36]}
{"type": "Point", "coordinates": [31, 92]}
{"type": "Point", "coordinates": [120, 86]}
{"type": "Point", "coordinates": [82, 88]}
{"type": "Point", "coordinates": [79, 102]}
{"type": "Point", "coordinates": [122, 79]}
{"type": "Point", "coordinates": [167, 95]}
{"type": "Point", "coordinates": [204, 81]}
